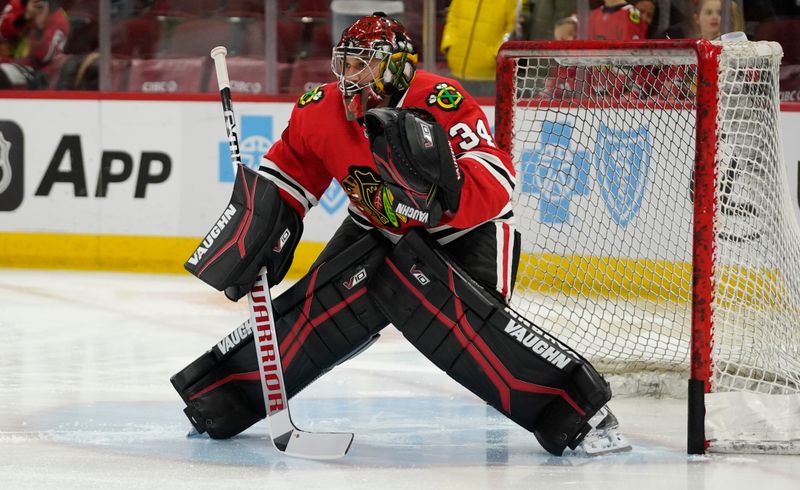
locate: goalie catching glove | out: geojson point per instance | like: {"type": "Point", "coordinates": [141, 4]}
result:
{"type": "Point", "coordinates": [413, 155]}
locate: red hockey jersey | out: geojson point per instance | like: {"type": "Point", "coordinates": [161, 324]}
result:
{"type": "Point", "coordinates": [33, 46]}
{"type": "Point", "coordinates": [320, 144]}
{"type": "Point", "coordinates": [620, 23]}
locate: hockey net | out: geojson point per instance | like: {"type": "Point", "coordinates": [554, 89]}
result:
{"type": "Point", "coordinates": [659, 239]}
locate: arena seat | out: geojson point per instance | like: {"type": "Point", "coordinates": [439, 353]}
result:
{"type": "Point", "coordinates": [784, 31]}
{"type": "Point", "coordinates": [136, 37]}
{"type": "Point", "coordinates": [321, 42]}
{"type": "Point", "coordinates": [307, 73]}
{"type": "Point", "coordinates": [184, 8]}
{"type": "Point", "coordinates": [313, 8]}
{"type": "Point", "coordinates": [790, 83]}
{"type": "Point", "coordinates": [290, 32]}
{"type": "Point", "coordinates": [168, 75]}
{"type": "Point", "coordinates": [196, 37]}
{"type": "Point", "coordinates": [248, 76]}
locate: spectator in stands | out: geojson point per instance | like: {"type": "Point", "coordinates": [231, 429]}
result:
{"type": "Point", "coordinates": [616, 20]}
{"type": "Point", "coordinates": [648, 10]}
{"type": "Point", "coordinates": [708, 19]}
{"type": "Point", "coordinates": [564, 82]}
{"type": "Point", "coordinates": [566, 29]}
{"type": "Point", "coordinates": [545, 15]}
{"type": "Point", "coordinates": [473, 33]}
{"type": "Point", "coordinates": [705, 21]}
{"type": "Point", "coordinates": [36, 30]}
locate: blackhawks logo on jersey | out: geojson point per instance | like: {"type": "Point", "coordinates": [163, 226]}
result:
{"type": "Point", "coordinates": [366, 191]}
{"type": "Point", "coordinates": [314, 95]}
{"type": "Point", "coordinates": [445, 96]}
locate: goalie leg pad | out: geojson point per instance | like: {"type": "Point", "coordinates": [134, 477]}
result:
{"type": "Point", "coordinates": [323, 320]}
{"type": "Point", "coordinates": [256, 228]}
{"type": "Point", "coordinates": [509, 362]}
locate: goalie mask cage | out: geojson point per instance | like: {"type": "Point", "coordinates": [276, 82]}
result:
{"type": "Point", "coordinates": [659, 239]}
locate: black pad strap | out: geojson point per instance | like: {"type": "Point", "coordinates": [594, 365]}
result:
{"type": "Point", "coordinates": [322, 320]}
{"type": "Point", "coordinates": [514, 365]}
{"type": "Point", "coordinates": [256, 228]}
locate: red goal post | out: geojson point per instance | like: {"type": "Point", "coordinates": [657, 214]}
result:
{"type": "Point", "coordinates": [658, 236]}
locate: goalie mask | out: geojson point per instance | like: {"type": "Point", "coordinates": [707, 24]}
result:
{"type": "Point", "coordinates": [375, 58]}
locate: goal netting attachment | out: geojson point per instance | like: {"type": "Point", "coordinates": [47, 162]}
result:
{"type": "Point", "coordinates": [659, 238]}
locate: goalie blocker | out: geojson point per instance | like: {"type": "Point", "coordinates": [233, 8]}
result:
{"type": "Point", "coordinates": [479, 341]}
{"type": "Point", "coordinates": [256, 228]}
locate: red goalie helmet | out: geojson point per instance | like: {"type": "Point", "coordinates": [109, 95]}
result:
{"type": "Point", "coordinates": [374, 58]}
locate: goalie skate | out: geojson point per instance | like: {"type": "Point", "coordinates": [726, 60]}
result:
{"type": "Point", "coordinates": [605, 436]}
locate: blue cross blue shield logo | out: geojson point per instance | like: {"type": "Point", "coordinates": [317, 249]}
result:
{"type": "Point", "coordinates": [255, 138]}
{"type": "Point", "coordinates": [623, 163]}
{"type": "Point", "coordinates": [557, 170]}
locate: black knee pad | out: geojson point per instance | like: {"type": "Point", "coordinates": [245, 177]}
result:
{"type": "Point", "coordinates": [509, 362]}
{"type": "Point", "coordinates": [324, 319]}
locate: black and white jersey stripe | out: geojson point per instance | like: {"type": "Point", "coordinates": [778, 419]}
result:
{"type": "Point", "coordinates": [287, 184]}
{"type": "Point", "coordinates": [494, 166]}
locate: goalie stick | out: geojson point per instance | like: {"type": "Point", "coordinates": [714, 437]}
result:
{"type": "Point", "coordinates": [286, 437]}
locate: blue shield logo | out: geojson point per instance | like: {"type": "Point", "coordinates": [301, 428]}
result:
{"type": "Point", "coordinates": [255, 138]}
{"type": "Point", "coordinates": [623, 163]}
{"type": "Point", "coordinates": [333, 198]}
{"type": "Point", "coordinates": [557, 170]}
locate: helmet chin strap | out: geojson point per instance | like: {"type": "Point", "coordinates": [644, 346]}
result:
{"type": "Point", "coordinates": [357, 105]}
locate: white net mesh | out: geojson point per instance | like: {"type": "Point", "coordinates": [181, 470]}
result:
{"type": "Point", "coordinates": [604, 142]}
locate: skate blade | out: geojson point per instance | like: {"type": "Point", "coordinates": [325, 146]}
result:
{"type": "Point", "coordinates": [193, 434]}
{"type": "Point", "coordinates": [609, 443]}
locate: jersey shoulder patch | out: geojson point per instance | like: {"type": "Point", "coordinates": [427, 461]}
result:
{"type": "Point", "coordinates": [312, 96]}
{"type": "Point", "coordinates": [444, 96]}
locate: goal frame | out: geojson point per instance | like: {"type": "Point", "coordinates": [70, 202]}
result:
{"type": "Point", "coordinates": [703, 241]}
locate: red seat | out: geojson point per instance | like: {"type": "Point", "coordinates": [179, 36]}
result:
{"type": "Point", "coordinates": [290, 32]}
{"type": "Point", "coordinates": [248, 76]}
{"type": "Point", "coordinates": [246, 8]}
{"type": "Point", "coordinates": [790, 83]}
{"type": "Point", "coordinates": [321, 41]}
{"type": "Point", "coordinates": [313, 8]}
{"type": "Point", "coordinates": [135, 38]}
{"type": "Point", "coordinates": [196, 37]}
{"type": "Point", "coordinates": [309, 73]}
{"type": "Point", "coordinates": [785, 31]}
{"type": "Point", "coordinates": [167, 75]}
{"type": "Point", "coordinates": [184, 8]}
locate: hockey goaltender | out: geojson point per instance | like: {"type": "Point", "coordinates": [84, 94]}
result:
{"type": "Point", "coordinates": [429, 245]}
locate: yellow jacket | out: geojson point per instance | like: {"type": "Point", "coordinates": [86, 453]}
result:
{"type": "Point", "coordinates": [473, 33]}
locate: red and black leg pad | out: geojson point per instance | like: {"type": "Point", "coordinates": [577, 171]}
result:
{"type": "Point", "coordinates": [514, 365]}
{"type": "Point", "coordinates": [323, 320]}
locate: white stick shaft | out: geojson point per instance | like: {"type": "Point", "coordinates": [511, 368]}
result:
{"type": "Point", "coordinates": [266, 340]}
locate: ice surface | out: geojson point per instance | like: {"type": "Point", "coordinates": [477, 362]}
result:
{"type": "Point", "coordinates": [85, 361]}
